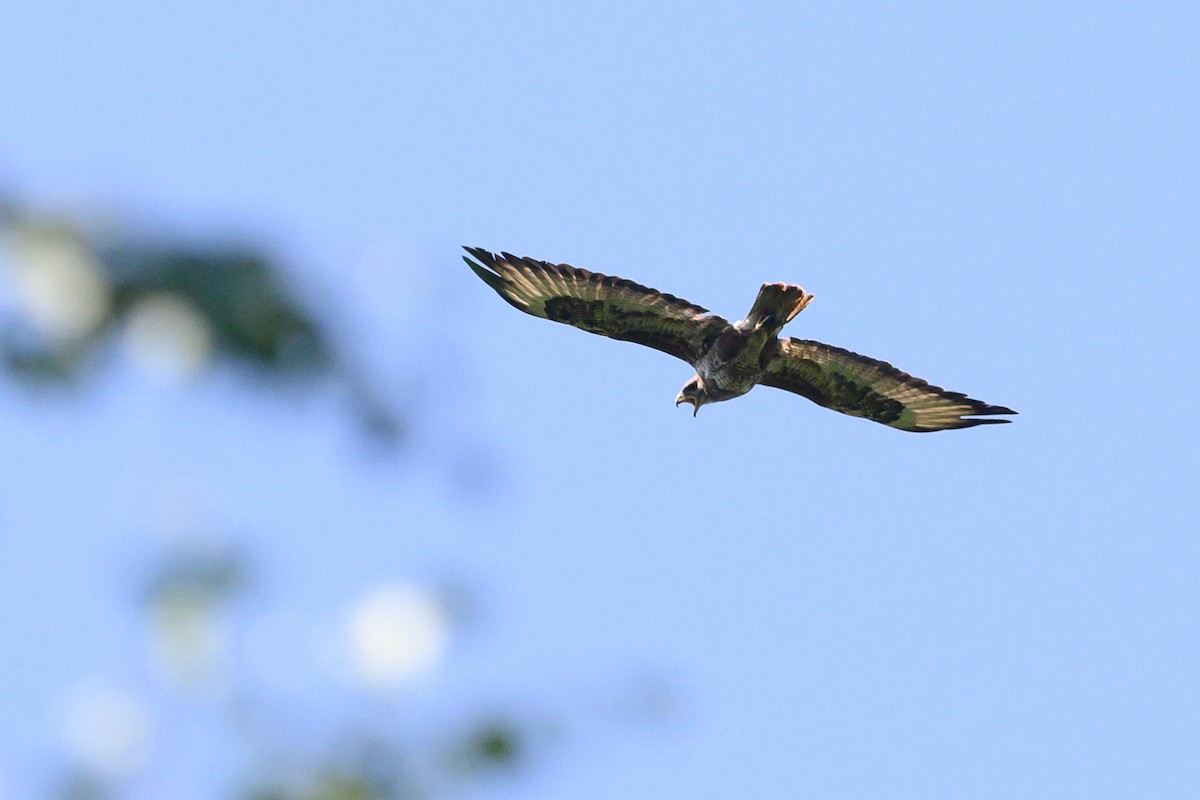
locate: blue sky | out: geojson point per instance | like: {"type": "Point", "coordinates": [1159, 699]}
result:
{"type": "Point", "coordinates": [1001, 199]}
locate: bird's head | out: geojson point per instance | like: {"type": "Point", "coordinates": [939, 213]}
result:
{"type": "Point", "coordinates": [693, 392]}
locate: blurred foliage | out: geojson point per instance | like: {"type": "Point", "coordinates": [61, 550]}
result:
{"type": "Point", "coordinates": [370, 765]}
{"type": "Point", "coordinates": [494, 745]}
{"type": "Point", "coordinates": [81, 288]}
{"type": "Point", "coordinates": [209, 574]}
{"type": "Point", "coordinates": [82, 785]}
{"type": "Point", "coordinates": [373, 770]}
{"type": "Point", "coordinates": [186, 598]}
{"type": "Point", "coordinates": [83, 292]}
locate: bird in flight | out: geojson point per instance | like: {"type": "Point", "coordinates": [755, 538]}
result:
{"type": "Point", "coordinates": [730, 359]}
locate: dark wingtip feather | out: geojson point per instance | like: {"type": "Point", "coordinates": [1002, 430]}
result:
{"type": "Point", "coordinates": [962, 423]}
{"type": "Point", "coordinates": [985, 409]}
{"type": "Point", "coordinates": [486, 273]}
{"type": "Point", "coordinates": [973, 422]}
{"type": "Point", "coordinates": [485, 257]}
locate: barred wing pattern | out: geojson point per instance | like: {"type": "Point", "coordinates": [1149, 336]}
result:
{"type": "Point", "coordinates": [875, 390]}
{"type": "Point", "coordinates": [603, 304]}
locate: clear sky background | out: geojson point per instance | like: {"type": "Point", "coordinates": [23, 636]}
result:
{"type": "Point", "coordinates": [1000, 198]}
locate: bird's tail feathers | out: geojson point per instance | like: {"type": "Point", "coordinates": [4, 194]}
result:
{"type": "Point", "coordinates": [777, 304]}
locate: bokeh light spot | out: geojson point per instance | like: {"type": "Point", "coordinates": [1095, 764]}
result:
{"type": "Point", "coordinates": [398, 633]}
{"type": "Point", "coordinates": [167, 336]}
{"type": "Point", "coordinates": [59, 284]}
{"type": "Point", "coordinates": [108, 730]}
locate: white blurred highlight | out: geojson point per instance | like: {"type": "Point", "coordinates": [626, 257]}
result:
{"type": "Point", "coordinates": [397, 634]}
{"type": "Point", "coordinates": [108, 730]}
{"type": "Point", "coordinates": [167, 336]}
{"type": "Point", "coordinates": [59, 284]}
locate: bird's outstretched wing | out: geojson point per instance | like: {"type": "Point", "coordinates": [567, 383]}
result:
{"type": "Point", "coordinates": [875, 390]}
{"type": "Point", "coordinates": [613, 307]}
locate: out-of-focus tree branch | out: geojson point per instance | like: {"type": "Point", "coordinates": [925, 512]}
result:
{"type": "Point", "coordinates": [83, 295]}
{"type": "Point", "coordinates": [178, 308]}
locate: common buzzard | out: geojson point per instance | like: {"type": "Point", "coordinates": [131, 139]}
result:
{"type": "Point", "coordinates": [730, 358]}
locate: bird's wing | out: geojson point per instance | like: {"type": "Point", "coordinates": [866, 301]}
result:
{"type": "Point", "coordinates": [875, 390]}
{"type": "Point", "coordinates": [613, 307]}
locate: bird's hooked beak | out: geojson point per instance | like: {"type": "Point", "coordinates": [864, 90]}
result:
{"type": "Point", "coordinates": [683, 399]}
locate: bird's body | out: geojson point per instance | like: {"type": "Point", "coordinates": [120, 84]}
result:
{"type": "Point", "coordinates": [733, 365]}
{"type": "Point", "coordinates": [739, 357]}
{"type": "Point", "coordinates": [730, 359]}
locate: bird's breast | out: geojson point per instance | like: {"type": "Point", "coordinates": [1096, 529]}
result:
{"type": "Point", "coordinates": [731, 365]}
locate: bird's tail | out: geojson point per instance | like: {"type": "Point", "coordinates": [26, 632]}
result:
{"type": "Point", "coordinates": [776, 305]}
